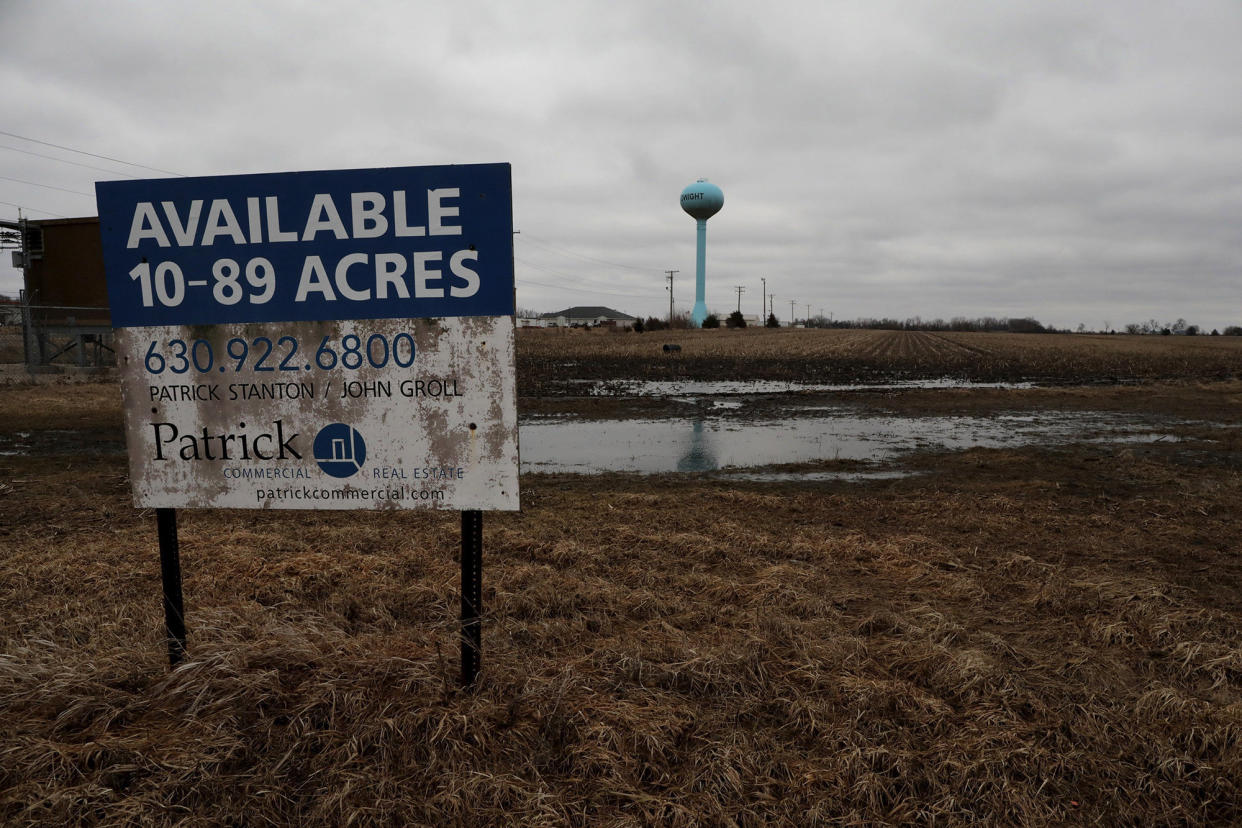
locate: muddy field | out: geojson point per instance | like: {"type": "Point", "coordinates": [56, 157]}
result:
{"type": "Point", "coordinates": [554, 361]}
{"type": "Point", "coordinates": [1045, 635]}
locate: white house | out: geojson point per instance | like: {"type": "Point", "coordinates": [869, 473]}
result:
{"type": "Point", "coordinates": [587, 315]}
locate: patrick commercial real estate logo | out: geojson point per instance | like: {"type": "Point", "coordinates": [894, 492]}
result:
{"type": "Point", "coordinates": [339, 450]}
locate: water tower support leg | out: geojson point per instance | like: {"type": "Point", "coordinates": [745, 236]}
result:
{"type": "Point", "coordinates": [700, 276]}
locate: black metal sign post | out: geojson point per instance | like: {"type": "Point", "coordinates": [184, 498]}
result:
{"type": "Point", "coordinates": [471, 593]}
{"type": "Point", "coordinates": [471, 590]}
{"type": "Point", "coordinates": [170, 574]}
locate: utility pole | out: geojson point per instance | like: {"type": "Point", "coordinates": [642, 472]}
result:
{"type": "Point", "coordinates": [808, 311]}
{"type": "Point", "coordinates": [764, 304]}
{"type": "Point", "coordinates": [791, 313]}
{"type": "Point", "coordinates": [740, 290]}
{"type": "Point", "coordinates": [670, 294]}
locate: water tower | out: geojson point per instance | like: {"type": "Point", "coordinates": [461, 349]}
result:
{"type": "Point", "coordinates": [701, 200]}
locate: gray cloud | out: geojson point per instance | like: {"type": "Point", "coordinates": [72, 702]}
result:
{"type": "Point", "coordinates": [1075, 162]}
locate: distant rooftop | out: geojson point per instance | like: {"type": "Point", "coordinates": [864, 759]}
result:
{"type": "Point", "coordinates": [588, 312]}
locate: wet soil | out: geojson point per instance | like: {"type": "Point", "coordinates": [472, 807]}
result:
{"type": "Point", "coordinates": [560, 377]}
{"type": "Point", "coordinates": [1215, 401]}
{"type": "Point", "coordinates": [72, 418]}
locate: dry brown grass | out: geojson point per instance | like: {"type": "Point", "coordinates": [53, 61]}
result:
{"type": "Point", "coordinates": [1018, 638]}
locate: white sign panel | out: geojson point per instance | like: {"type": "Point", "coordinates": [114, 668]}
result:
{"type": "Point", "coordinates": [318, 340]}
{"type": "Point", "coordinates": [375, 414]}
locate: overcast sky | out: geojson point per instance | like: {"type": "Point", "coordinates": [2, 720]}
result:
{"type": "Point", "coordinates": [1077, 162]}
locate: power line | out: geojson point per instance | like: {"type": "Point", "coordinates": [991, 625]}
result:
{"type": "Point", "coordinates": [584, 257]}
{"type": "Point", "coordinates": [24, 207]}
{"type": "Point", "coordinates": [67, 161]}
{"type": "Point", "coordinates": [46, 186]}
{"type": "Point", "coordinates": [631, 294]}
{"type": "Point", "coordinates": [524, 281]}
{"type": "Point", "coordinates": [91, 154]}
{"type": "Point", "coordinates": [547, 270]}
{"type": "Point", "coordinates": [552, 272]}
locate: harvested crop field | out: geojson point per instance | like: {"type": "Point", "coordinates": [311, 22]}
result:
{"type": "Point", "coordinates": [551, 358]}
{"type": "Point", "coordinates": [1031, 636]}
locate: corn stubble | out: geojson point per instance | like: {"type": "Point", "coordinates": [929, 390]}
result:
{"type": "Point", "coordinates": [549, 356]}
{"type": "Point", "coordinates": [1018, 637]}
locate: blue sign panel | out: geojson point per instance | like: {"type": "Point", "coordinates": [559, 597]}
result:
{"type": "Point", "coordinates": [388, 243]}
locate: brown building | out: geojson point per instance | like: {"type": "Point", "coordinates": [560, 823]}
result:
{"type": "Point", "coordinates": [65, 270]}
{"type": "Point", "coordinates": [65, 313]}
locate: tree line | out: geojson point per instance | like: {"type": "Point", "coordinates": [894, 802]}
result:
{"type": "Point", "coordinates": [980, 324]}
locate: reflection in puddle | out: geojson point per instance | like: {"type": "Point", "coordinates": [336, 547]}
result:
{"type": "Point", "coordinates": [703, 444]}
{"type": "Point", "coordinates": [700, 456]}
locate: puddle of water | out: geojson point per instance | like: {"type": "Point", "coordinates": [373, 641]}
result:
{"type": "Point", "coordinates": [682, 388]}
{"type": "Point", "coordinates": [1135, 438]}
{"type": "Point", "coordinates": [703, 445]}
{"type": "Point", "coordinates": [802, 477]}
{"type": "Point", "coordinates": [709, 444]}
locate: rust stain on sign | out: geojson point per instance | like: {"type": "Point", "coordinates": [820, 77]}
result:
{"type": "Point", "coordinates": [350, 414]}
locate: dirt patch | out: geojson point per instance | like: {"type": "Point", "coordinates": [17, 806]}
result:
{"type": "Point", "coordinates": [1216, 401]}
{"type": "Point", "coordinates": [1219, 402]}
{"type": "Point", "coordinates": [26, 407]}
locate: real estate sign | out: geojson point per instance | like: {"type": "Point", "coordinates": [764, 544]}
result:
{"type": "Point", "coordinates": [317, 340]}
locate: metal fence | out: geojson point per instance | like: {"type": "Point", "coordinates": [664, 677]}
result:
{"type": "Point", "coordinates": [56, 335]}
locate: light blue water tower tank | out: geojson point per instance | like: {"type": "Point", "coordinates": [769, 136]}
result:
{"type": "Point", "coordinates": [701, 200]}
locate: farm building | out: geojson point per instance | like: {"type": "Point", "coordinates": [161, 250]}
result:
{"type": "Point", "coordinates": [65, 295]}
{"type": "Point", "coordinates": [586, 315]}
{"type": "Point", "coordinates": [64, 266]}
